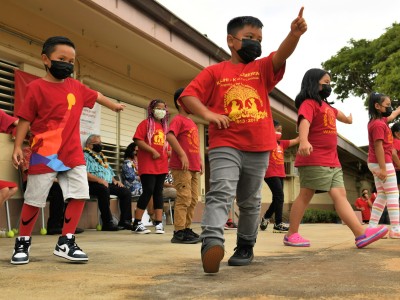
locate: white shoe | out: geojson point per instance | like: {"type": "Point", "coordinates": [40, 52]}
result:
{"type": "Point", "coordinates": [159, 228]}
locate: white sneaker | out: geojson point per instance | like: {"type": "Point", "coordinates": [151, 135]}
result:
{"type": "Point", "coordinates": [140, 229]}
{"type": "Point", "coordinates": [159, 228]}
{"type": "Point", "coordinates": [68, 249]}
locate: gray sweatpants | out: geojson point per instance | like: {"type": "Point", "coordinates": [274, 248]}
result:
{"type": "Point", "coordinates": [234, 173]}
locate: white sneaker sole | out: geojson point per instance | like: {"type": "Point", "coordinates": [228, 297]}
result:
{"type": "Point", "coordinates": [65, 255]}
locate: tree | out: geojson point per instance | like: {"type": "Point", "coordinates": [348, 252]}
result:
{"type": "Point", "coordinates": [365, 66]}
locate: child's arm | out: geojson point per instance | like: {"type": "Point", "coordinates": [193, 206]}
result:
{"type": "Point", "coordinates": [195, 107]}
{"type": "Point", "coordinates": [294, 142]}
{"type": "Point", "coordinates": [395, 158]}
{"type": "Point", "coordinates": [394, 115]}
{"type": "Point", "coordinates": [297, 28]}
{"type": "Point", "coordinates": [305, 148]}
{"type": "Point", "coordinates": [343, 118]}
{"type": "Point", "coordinates": [380, 156]}
{"type": "Point", "coordinates": [103, 100]}
{"type": "Point", "coordinates": [22, 130]}
{"type": "Point", "coordinates": [145, 147]}
{"type": "Point", "coordinates": [178, 149]}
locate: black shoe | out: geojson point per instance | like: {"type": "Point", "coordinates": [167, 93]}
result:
{"type": "Point", "coordinates": [54, 230]}
{"type": "Point", "coordinates": [281, 228]}
{"type": "Point", "coordinates": [79, 230]}
{"type": "Point", "coordinates": [125, 225]}
{"type": "Point", "coordinates": [181, 237]}
{"type": "Point", "coordinates": [67, 248]}
{"type": "Point", "coordinates": [21, 251]}
{"type": "Point", "coordinates": [242, 257]}
{"type": "Point", "coordinates": [190, 232]}
{"type": "Point", "coordinates": [264, 223]}
{"type": "Point", "coordinates": [110, 226]}
{"type": "Point", "coordinates": [211, 255]}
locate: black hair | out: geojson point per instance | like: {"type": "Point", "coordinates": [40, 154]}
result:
{"type": "Point", "coordinates": [374, 98]}
{"type": "Point", "coordinates": [395, 128]}
{"type": "Point", "coordinates": [177, 94]}
{"type": "Point", "coordinates": [51, 43]}
{"type": "Point", "coordinates": [238, 23]}
{"type": "Point", "coordinates": [276, 123]}
{"type": "Point", "coordinates": [310, 86]}
{"type": "Point", "coordinates": [129, 150]}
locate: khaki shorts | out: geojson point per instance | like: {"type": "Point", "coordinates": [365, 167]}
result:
{"type": "Point", "coordinates": [74, 184]}
{"type": "Point", "coordinates": [321, 179]}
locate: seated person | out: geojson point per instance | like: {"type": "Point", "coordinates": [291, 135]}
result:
{"type": "Point", "coordinates": [57, 205]}
{"type": "Point", "coordinates": [102, 184]}
{"type": "Point", "coordinates": [130, 178]}
{"type": "Point", "coordinates": [169, 191]}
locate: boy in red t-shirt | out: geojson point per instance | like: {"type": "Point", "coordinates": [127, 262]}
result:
{"type": "Point", "coordinates": [364, 205]}
{"type": "Point", "coordinates": [233, 97]}
{"type": "Point", "coordinates": [52, 109]}
{"type": "Point", "coordinates": [185, 165]}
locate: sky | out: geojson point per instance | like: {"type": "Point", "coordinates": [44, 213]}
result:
{"type": "Point", "coordinates": [331, 25]}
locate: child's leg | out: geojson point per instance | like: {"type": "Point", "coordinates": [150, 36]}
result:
{"type": "Point", "coordinates": [392, 195]}
{"type": "Point", "coordinates": [345, 211]}
{"type": "Point", "coordinates": [72, 216]}
{"type": "Point", "coordinates": [148, 183]}
{"type": "Point", "coordinates": [380, 201]}
{"type": "Point", "coordinates": [275, 184]}
{"type": "Point", "coordinates": [29, 215]}
{"type": "Point", "coordinates": [158, 200]}
{"type": "Point", "coordinates": [194, 188]}
{"type": "Point", "coordinates": [225, 167]}
{"type": "Point", "coordinates": [248, 196]}
{"type": "Point", "coordinates": [182, 181]}
{"type": "Point", "coordinates": [298, 208]}
{"type": "Point", "coordinates": [7, 193]}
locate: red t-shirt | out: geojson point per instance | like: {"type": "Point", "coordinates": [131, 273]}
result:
{"type": "Point", "coordinates": [379, 130]}
{"type": "Point", "coordinates": [146, 163]}
{"type": "Point", "coordinates": [366, 213]}
{"type": "Point", "coordinates": [187, 134]}
{"type": "Point", "coordinates": [239, 91]}
{"type": "Point", "coordinates": [396, 145]}
{"type": "Point", "coordinates": [54, 111]}
{"type": "Point", "coordinates": [322, 135]}
{"type": "Point", "coordinates": [276, 166]}
{"type": "Point", "coordinates": [6, 122]}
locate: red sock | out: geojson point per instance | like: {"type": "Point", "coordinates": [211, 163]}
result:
{"type": "Point", "coordinates": [72, 216]}
{"type": "Point", "coordinates": [29, 215]}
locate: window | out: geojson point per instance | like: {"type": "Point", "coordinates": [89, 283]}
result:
{"type": "Point", "coordinates": [7, 86]}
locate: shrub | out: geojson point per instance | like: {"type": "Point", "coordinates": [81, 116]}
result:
{"type": "Point", "coordinates": [320, 216]}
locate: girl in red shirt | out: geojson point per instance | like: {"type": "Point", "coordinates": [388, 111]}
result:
{"type": "Point", "coordinates": [380, 162]}
{"type": "Point", "coordinates": [317, 160]}
{"type": "Point", "coordinates": [150, 136]}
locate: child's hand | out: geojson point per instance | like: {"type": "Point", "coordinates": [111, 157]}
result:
{"type": "Point", "coordinates": [299, 25]}
{"type": "Point", "coordinates": [305, 149]}
{"type": "Point", "coordinates": [185, 162]}
{"type": "Point", "coordinates": [350, 119]}
{"type": "Point", "coordinates": [156, 154]}
{"type": "Point", "coordinates": [17, 157]}
{"type": "Point", "coordinates": [118, 107]}
{"type": "Point", "coordinates": [221, 121]}
{"type": "Point", "coordinates": [381, 174]}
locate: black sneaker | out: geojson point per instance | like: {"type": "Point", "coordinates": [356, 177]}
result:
{"type": "Point", "coordinates": [181, 237]}
{"type": "Point", "coordinates": [140, 229]}
{"type": "Point", "coordinates": [242, 257]}
{"type": "Point", "coordinates": [190, 232]}
{"type": "Point", "coordinates": [67, 248]}
{"type": "Point", "coordinates": [281, 228]}
{"type": "Point", "coordinates": [264, 223]}
{"type": "Point", "coordinates": [21, 250]}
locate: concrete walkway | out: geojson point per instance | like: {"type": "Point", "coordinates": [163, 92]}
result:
{"type": "Point", "coordinates": [123, 265]}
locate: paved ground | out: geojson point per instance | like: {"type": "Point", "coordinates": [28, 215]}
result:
{"type": "Point", "coordinates": [129, 266]}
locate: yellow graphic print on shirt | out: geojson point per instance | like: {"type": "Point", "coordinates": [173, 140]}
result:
{"type": "Point", "coordinates": [329, 121]}
{"type": "Point", "coordinates": [158, 137]}
{"type": "Point", "coordinates": [278, 156]}
{"type": "Point", "coordinates": [243, 104]}
{"type": "Point", "coordinates": [193, 140]}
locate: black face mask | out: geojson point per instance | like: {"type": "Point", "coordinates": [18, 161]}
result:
{"type": "Point", "coordinates": [250, 50]}
{"type": "Point", "coordinates": [61, 69]}
{"type": "Point", "coordinates": [326, 91]}
{"type": "Point", "coordinates": [387, 112]}
{"type": "Point", "coordinates": [97, 148]}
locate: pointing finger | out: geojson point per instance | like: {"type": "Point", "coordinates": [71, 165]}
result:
{"type": "Point", "coordinates": [301, 12]}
